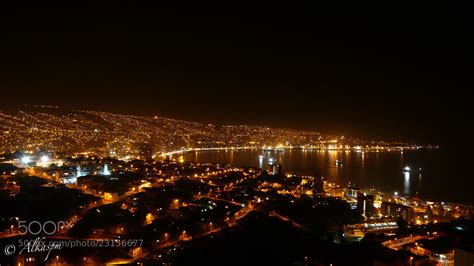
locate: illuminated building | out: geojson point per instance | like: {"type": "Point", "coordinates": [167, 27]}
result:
{"type": "Point", "coordinates": [365, 204]}
{"type": "Point", "coordinates": [105, 170]}
{"type": "Point", "coordinates": [352, 191]}
{"type": "Point", "coordinates": [396, 211]}
{"type": "Point", "coordinates": [275, 168]}
{"type": "Point", "coordinates": [439, 249]}
{"type": "Point", "coordinates": [319, 184]}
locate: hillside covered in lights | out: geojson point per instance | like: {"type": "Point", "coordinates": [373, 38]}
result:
{"type": "Point", "coordinates": [63, 130]}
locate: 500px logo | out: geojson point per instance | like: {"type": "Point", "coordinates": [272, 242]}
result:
{"type": "Point", "coordinates": [48, 227]}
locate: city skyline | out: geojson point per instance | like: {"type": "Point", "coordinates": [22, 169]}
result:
{"type": "Point", "coordinates": [247, 134]}
{"type": "Point", "coordinates": [57, 129]}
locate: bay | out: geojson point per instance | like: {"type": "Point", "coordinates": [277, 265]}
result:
{"type": "Point", "coordinates": [441, 177]}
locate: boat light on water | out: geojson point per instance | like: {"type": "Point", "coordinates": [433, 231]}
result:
{"type": "Point", "coordinates": [408, 169]}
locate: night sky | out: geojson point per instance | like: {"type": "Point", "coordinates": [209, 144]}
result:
{"type": "Point", "coordinates": [398, 72]}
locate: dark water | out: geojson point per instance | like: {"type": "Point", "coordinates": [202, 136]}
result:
{"type": "Point", "coordinates": [441, 178]}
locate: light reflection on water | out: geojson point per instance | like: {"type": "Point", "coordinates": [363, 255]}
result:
{"type": "Point", "coordinates": [406, 183]}
{"type": "Point", "coordinates": [379, 170]}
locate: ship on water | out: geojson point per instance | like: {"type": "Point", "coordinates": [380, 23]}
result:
{"type": "Point", "coordinates": [410, 170]}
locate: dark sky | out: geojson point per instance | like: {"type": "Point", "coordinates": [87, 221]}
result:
{"type": "Point", "coordinates": [382, 71]}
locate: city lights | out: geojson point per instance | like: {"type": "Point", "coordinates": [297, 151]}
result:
{"type": "Point", "coordinates": [265, 134]}
{"type": "Point", "coordinates": [44, 159]}
{"type": "Point", "coordinates": [26, 160]}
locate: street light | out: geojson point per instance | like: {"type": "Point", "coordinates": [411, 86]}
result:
{"type": "Point", "coordinates": [44, 159]}
{"type": "Point", "coordinates": [25, 160]}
